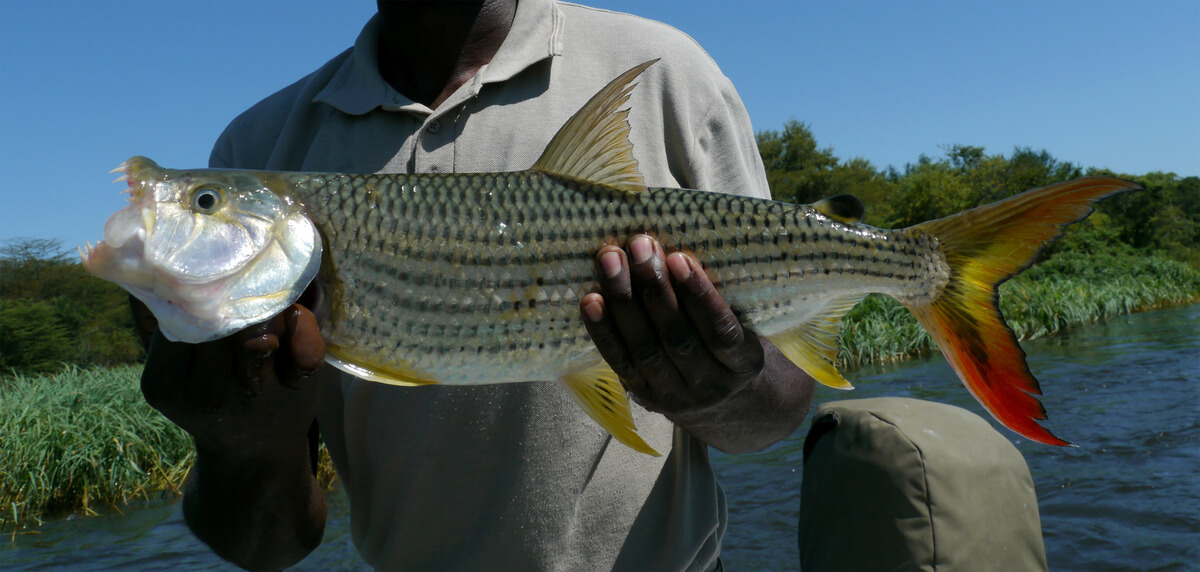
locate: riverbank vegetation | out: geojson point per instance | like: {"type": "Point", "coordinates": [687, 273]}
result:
{"type": "Point", "coordinates": [77, 433]}
{"type": "Point", "coordinates": [84, 438]}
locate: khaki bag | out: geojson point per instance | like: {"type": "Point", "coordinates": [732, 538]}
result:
{"type": "Point", "coordinates": [905, 484]}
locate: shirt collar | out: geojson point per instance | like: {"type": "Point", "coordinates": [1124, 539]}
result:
{"type": "Point", "coordinates": [357, 87]}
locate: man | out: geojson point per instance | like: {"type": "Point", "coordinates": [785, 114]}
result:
{"type": "Point", "coordinates": [498, 476]}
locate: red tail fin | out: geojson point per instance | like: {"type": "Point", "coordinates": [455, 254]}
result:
{"type": "Point", "coordinates": [984, 247]}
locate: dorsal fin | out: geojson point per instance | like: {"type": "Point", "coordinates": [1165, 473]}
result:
{"type": "Point", "coordinates": [842, 208]}
{"type": "Point", "coordinates": [593, 145]}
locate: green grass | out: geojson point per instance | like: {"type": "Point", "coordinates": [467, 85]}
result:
{"type": "Point", "coordinates": [81, 438]}
{"type": "Point", "coordinates": [1068, 290]}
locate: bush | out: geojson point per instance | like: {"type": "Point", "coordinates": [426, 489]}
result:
{"type": "Point", "coordinates": [53, 312]}
{"type": "Point", "coordinates": [31, 338]}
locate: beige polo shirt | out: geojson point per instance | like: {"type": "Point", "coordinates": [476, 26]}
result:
{"type": "Point", "coordinates": [513, 476]}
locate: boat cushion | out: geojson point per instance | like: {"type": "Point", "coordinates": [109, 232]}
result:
{"type": "Point", "coordinates": [905, 484]}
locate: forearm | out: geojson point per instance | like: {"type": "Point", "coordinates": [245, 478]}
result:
{"type": "Point", "coordinates": [768, 409]}
{"type": "Point", "coordinates": [259, 513]}
{"type": "Point", "coordinates": [250, 402]}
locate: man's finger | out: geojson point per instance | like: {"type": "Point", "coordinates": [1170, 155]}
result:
{"type": "Point", "coordinates": [603, 332]}
{"type": "Point", "coordinates": [712, 317]}
{"type": "Point", "coordinates": [305, 346]}
{"type": "Point", "coordinates": [676, 332]}
{"type": "Point", "coordinates": [645, 285]}
{"type": "Point", "coordinates": [254, 351]}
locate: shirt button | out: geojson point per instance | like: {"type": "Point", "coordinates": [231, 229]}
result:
{"type": "Point", "coordinates": [434, 126]}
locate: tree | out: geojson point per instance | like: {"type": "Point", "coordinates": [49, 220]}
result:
{"type": "Point", "coordinates": [29, 265]}
{"type": "Point", "coordinates": [31, 340]}
{"type": "Point", "coordinates": [52, 311]}
{"type": "Point", "coordinates": [797, 170]}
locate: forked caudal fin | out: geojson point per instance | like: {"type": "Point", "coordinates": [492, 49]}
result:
{"type": "Point", "coordinates": [984, 247]}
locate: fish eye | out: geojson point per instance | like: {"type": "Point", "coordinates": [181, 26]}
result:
{"type": "Point", "coordinates": [206, 200]}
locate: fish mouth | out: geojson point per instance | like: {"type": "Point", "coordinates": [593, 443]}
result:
{"type": "Point", "coordinates": [119, 256]}
{"type": "Point", "coordinates": [124, 264]}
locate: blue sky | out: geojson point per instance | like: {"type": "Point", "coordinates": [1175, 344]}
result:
{"type": "Point", "coordinates": [85, 85]}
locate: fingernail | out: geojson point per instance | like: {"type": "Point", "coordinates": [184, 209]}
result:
{"type": "Point", "coordinates": [610, 262]}
{"type": "Point", "coordinates": [642, 249]}
{"type": "Point", "coordinates": [678, 264]}
{"type": "Point", "coordinates": [594, 311]}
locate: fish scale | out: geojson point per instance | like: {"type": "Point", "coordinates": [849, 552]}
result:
{"type": "Point", "coordinates": [477, 278]}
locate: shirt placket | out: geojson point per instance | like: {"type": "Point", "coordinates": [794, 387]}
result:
{"type": "Point", "coordinates": [434, 149]}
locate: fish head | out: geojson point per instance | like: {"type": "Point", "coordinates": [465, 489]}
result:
{"type": "Point", "coordinates": [209, 251]}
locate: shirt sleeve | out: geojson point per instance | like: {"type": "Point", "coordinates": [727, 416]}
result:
{"type": "Point", "coordinates": [221, 156]}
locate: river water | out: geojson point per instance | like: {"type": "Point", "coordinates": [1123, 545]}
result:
{"type": "Point", "coordinates": [1128, 498]}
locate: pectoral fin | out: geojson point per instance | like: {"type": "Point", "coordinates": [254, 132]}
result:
{"type": "Point", "coordinates": [599, 392]}
{"type": "Point", "coordinates": [391, 374]}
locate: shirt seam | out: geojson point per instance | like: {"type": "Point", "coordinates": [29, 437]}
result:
{"type": "Point", "coordinates": [648, 21]}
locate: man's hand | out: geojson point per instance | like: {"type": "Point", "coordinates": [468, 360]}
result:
{"type": "Point", "coordinates": [251, 405]}
{"type": "Point", "coordinates": [242, 392]}
{"type": "Point", "coordinates": [663, 327]}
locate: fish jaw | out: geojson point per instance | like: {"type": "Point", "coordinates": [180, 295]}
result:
{"type": "Point", "coordinates": [178, 262]}
{"type": "Point", "coordinates": [119, 257]}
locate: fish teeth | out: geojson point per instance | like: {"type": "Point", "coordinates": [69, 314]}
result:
{"type": "Point", "coordinates": [124, 178]}
{"type": "Point", "coordinates": [121, 167]}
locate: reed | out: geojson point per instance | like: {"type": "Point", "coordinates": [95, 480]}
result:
{"type": "Point", "coordinates": [80, 438]}
{"type": "Point", "coordinates": [84, 438]}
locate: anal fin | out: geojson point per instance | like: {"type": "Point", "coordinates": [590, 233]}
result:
{"type": "Point", "coordinates": [813, 346]}
{"type": "Point", "coordinates": [599, 392]}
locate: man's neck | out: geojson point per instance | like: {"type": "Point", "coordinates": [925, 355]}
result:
{"type": "Point", "coordinates": [428, 49]}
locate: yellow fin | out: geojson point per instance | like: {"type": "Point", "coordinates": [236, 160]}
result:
{"type": "Point", "coordinates": [814, 345]}
{"type": "Point", "coordinates": [593, 145]}
{"type": "Point", "coordinates": [599, 392]}
{"type": "Point", "coordinates": [338, 357]}
{"type": "Point", "coordinates": [984, 247]}
{"type": "Point", "coordinates": [842, 208]}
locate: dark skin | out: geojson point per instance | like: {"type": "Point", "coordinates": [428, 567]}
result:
{"type": "Point", "coordinates": [250, 400]}
{"type": "Point", "coordinates": [432, 48]}
{"type": "Point", "coordinates": [665, 329]}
